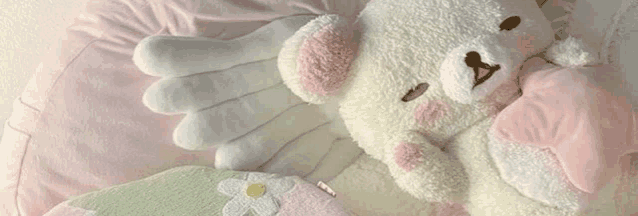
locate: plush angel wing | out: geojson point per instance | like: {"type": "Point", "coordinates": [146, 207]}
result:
{"type": "Point", "coordinates": [234, 98]}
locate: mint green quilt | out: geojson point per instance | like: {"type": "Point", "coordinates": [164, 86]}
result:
{"type": "Point", "coordinates": [197, 190]}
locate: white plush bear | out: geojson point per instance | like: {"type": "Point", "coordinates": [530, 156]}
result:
{"type": "Point", "coordinates": [419, 84]}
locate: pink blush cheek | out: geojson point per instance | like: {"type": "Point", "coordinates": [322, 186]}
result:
{"type": "Point", "coordinates": [449, 209]}
{"type": "Point", "coordinates": [431, 111]}
{"type": "Point", "coordinates": [408, 155]}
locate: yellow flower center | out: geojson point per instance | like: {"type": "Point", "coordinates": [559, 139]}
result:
{"type": "Point", "coordinates": [256, 190]}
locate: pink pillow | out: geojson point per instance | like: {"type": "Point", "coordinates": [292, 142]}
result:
{"type": "Point", "coordinates": [587, 126]}
{"type": "Point", "coordinates": [80, 124]}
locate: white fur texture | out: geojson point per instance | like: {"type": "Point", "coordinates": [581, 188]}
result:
{"type": "Point", "coordinates": [489, 194]}
{"type": "Point", "coordinates": [458, 78]}
{"type": "Point", "coordinates": [404, 43]}
{"type": "Point", "coordinates": [538, 179]}
{"type": "Point", "coordinates": [395, 55]}
{"type": "Point", "coordinates": [572, 52]}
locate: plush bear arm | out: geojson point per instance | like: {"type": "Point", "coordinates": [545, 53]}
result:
{"type": "Point", "coordinates": [425, 171]}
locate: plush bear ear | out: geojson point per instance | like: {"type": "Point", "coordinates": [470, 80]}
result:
{"type": "Point", "coordinates": [315, 62]}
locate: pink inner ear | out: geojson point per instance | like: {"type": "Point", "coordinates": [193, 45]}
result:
{"type": "Point", "coordinates": [324, 60]}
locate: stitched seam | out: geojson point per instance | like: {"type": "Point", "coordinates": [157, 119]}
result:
{"type": "Point", "coordinates": [277, 85]}
{"type": "Point", "coordinates": [47, 94]}
{"type": "Point", "coordinates": [27, 105]}
{"type": "Point", "coordinates": [265, 123]}
{"type": "Point", "coordinates": [24, 153]}
{"type": "Point", "coordinates": [87, 46]}
{"type": "Point", "coordinates": [261, 167]}
{"type": "Point", "coordinates": [354, 160]}
{"type": "Point", "coordinates": [323, 157]}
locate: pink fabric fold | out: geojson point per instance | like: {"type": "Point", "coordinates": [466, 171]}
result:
{"type": "Point", "coordinates": [586, 126]}
{"type": "Point", "coordinates": [308, 199]}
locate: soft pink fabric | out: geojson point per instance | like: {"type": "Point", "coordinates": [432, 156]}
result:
{"type": "Point", "coordinates": [324, 59]}
{"type": "Point", "coordinates": [64, 209]}
{"type": "Point", "coordinates": [585, 126]}
{"type": "Point", "coordinates": [80, 124]}
{"type": "Point", "coordinates": [307, 199]}
{"type": "Point", "coordinates": [425, 114]}
{"type": "Point", "coordinates": [408, 155]}
{"type": "Point", "coordinates": [449, 209]}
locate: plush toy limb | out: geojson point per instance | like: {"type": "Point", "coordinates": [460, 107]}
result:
{"type": "Point", "coordinates": [192, 93]}
{"type": "Point", "coordinates": [176, 56]}
{"type": "Point", "coordinates": [255, 148]}
{"type": "Point", "coordinates": [426, 172]}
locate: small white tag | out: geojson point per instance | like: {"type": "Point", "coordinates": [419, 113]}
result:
{"type": "Point", "coordinates": [327, 189]}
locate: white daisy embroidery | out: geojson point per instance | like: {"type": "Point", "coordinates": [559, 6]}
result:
{"type": "Point", "coordinates": [257, 192]}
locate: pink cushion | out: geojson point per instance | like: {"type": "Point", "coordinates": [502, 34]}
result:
{"type": "Point", "coordinates": [80, 124]}
{"type": "Point", "coordinates": [586, 126]}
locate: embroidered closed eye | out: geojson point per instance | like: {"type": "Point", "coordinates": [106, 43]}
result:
{"type": "Point", "coordinates": [510, 23]}
{"type": "Point", "coordinates": [415, 92]}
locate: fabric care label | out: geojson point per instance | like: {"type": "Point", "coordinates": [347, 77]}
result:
{"type": "Point", "coordinates": [324, 187]}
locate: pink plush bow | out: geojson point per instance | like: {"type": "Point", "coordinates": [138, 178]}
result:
{"type": "Point", "coordinates": [587, 127]}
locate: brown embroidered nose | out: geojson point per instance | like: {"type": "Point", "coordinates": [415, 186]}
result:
{"type": "Point", "coordinates": [482, 71]}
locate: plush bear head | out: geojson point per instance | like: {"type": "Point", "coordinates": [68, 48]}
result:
{"type": "Point", "coordinates": [409, 75]}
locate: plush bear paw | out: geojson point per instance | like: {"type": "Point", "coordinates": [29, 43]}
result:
{"type": "Point", "coordinates": [426, 172]}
